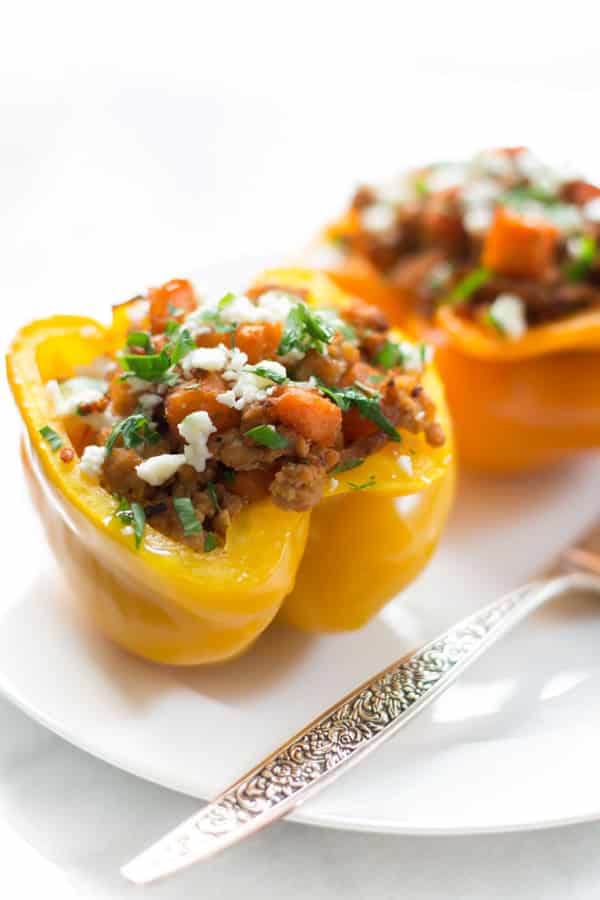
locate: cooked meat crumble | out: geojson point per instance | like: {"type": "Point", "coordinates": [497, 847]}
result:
{"type": "Point", "coordinates": [501, 225]}
{"type": "Point", "coordinates": [211, 405]}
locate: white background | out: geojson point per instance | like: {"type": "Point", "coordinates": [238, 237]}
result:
{"type": "Point", "coordinates": [140, 140]}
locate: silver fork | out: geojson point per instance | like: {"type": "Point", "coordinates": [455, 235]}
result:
{"type": "Point", "coordinates": [360, 722]}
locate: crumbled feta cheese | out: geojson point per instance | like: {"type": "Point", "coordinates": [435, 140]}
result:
{"type": "Point", "coordinates": [591, 210]}
{"type": "Point", "coordinates": [137, 312]}
{"type": "Point", "coordinates": [446, 176]}
{"type": "Point", "coordinates": [377, 217]}
{"type": "Point", "coordinates": [272, 306]}
{"type": "Point", "coordinates": [158, 469]}
{"type": "Point", "coordinates": [405, 463]}
{"type": "Point", "coordinates": [478, 218]}
{"type": "Point", "coordinates": [275, 305]}
{"type": "Point", "coordinates": [92, 460]}
{"type": "Point", "coordinates": [493, 162]}
{"type": "Point", "coordinates": [211, 359]}
{"type": "Point", "coordinates": [149, 402]}
{"type": "Point", "coordinates": [73, 393]}
{"type": "Point", "coordinates": [248, 387]}
{"type": "Point", "coordinates": [397, 190]}
{"type": "Point", "coordinates": [196, 430]}
{"type": "Point", "coordinates": [508, 313]}
{"type": "Point", "coordinates": [566, 216]}
{"type": "Point", "coordinates": [481, 192]}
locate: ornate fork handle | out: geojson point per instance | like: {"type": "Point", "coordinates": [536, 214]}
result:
{"type": "Point", "coordinates": [343, 735]}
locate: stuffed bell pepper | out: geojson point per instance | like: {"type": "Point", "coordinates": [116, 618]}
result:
{"type": "Point", "coordinates": [496, 262]}
{"type": "Point", "coordinates": [201, 465]}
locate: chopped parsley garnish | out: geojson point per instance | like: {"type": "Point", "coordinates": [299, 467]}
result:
{"type": "Point", "coordinates": [51, 437]}
{"type": "Point", "coordinates": [151, 367]}
{"type": "Point", "coordinates": [523, 194]}
{"type": "Point", "coordinates": [391, 355]}
{"type": "Point", "coordinates": [131, 514]}
{"type": "Point", "coordinates": [488, 318]}
{"type": "Point", "coordinates": [210, 541]}
{"type": "Point", "coordinates": [135, 431]}
{"type": "Point", "coordinates": [182, 345]}
{"type": "Point", "coordinates": [333, 318]}
{"type": "Point", "coordinates": [364, 485]}
{"type": "Point", "coordinates": [225, 301]}
{"type": "Point", "coordinates": [304, 330]}
{"type": "Point", "coordinates": [346, 466]}
{"type": "Point", "coordinates": [421, 188]}
{"type": "Point", "coordinates": [187, 516]}
{"type": "Point", "coordinates": [368, 407]}
{"type": "Point", "coordinates": [212, 318]}
{"type": "Point", "coordinates": [139, 339]}
{"type": "Point", "coordinates": [467, 286]}
{"type": "Point", "coordinates": [214, 499]}
{"type": "Point", "coordinates": [266, 372]}
{"type": "Point", "coordinates": [267, 436]}
{"type": "Point", "coordinates": [583, 258]}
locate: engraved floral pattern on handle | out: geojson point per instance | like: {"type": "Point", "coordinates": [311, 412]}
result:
{"type": "Point", "coordinates": [345, 733]}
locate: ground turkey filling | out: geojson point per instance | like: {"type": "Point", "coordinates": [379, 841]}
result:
{"type": "Point", "coordinates": [213, 404]}
{"type": "Point", "coordinates": [509, 240]}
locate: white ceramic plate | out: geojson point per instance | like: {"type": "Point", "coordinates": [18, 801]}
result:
{"type": "Point", "coordinates": [514, 744]}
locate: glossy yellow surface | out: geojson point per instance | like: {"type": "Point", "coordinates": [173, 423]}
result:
{"type": "Point", "coordinates": [170, 604]}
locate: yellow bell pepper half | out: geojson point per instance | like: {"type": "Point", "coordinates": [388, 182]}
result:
{"type": "Point", "coordinates": [170, 604]}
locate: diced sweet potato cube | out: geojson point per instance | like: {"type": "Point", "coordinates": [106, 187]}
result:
{"type": "Point", "coordinates": [259, 341]}
{"type": "Point", "coordinates": [356, 426]}
{"type": "Point", "coordinates": [519, 246]}
{"type": "Point", "coordinates": [310, 415]}
{"type": "Point", "coordinates": [124, 399]}
{"type": "Point", "coordinates": [173, 300]}
{"type": "Point", "coordinates": [183, 401]}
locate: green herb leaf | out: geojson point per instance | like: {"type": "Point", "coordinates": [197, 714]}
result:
{"type": "Point", "coordinates": [187, 516]}
{"type": "Point", "coordinates": [391, 355]}
{"type": "Point", "coordinates": [489, 319]}
{"type": "Point", "coordinates": [267, 436]}
{"type": "Point", "coordinates": [368, 407]}
{"type": "Point", "coordinates": [152, 367]}
{"type": "Point", "coordinates": [51, 437]}
{"type": "Point", "coordinates": [467, 286]}
{"type": "Point", "coordinates": [131, 514]}
{"type": "Point", "coordinates": [181, 346]}
{"type": "Point", "coordinates": [362, 487]}
{"type": "Point", "coordinates": [266, 372]}
{"type": "Point", "coordinates": [421, 188]}
{"type": "Point", "coordinates": [135, 431]}
{"type": "Point", "coordinates": [346, 466]}
{"type": "Point", "coordinates": [139, 339]}
{"type": "Point", "coordinates": [335, 321]}
{"type": "Point", "coordinates": [214, 499]}
{"type": "Point", "coordinates": [225, 301]}
{"type": "Point", "coordinates": [304, 330]}
{"type": "Point", "coordinates": [522, 194]}
{"type": "Point", "coordinates": [578, 267]}
{"type": "Point", "coordinates": [210, 541]}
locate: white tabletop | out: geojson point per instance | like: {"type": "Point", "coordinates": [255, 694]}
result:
{"type": "Point", "coordinates": [136, 147]}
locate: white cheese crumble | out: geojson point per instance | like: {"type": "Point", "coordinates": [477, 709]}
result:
{"type": "Point", "coordinates": [248, 387]}
{"type": "Point", "coordinates": [591, 210]}
{"type": "Point", "coordinates": [508, 313]}
{"type": "Point", "coordinates": [446, 176]}
{"type": "Point", "coordinates": [196, 430]}
{"type": "Point", "coordinates": [138, 312]}
{"type": "Point", "coordinates": [92, 460]}
{"type": "Point", "coordinates": [149, 402]}
{"type": "Point", "coordinates": [478, 218]}
{"type": "Point", "coordinates": [211, 359]}
{"type": "Point", "coordinates": [75, 392]}
{"type": "Point", "coordinates": [272, 306]}
{"type": "Point", "coordinates": [377, 217]}
{"type": "Point", "coordinates": [158, 469]}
